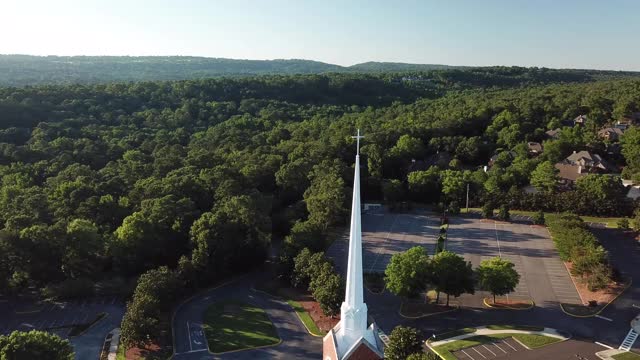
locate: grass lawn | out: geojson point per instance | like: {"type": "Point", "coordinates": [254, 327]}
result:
{"type": "Point", "coordinates": [626, 356]}
{"type": "Point", "coordinates": [531, 341]}
{"type": "Point", "coordinates": [612, 222]}
{"type": "Point", "coordinates": [235, 325]}
{"type": "Point", "coordinates": [450, 334]}
{"type": "Point", "coordinates": [120, 355]}
{"type": "Point", "coordinates": [306, 318]}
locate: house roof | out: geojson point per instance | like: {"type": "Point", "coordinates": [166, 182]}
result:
{"type": "Point", "coordinates": [580, 118]}
{"type": "Point", "coordinates": [581, 157]}
{"type": "Point", "coordinates": [534, 146]}
{"type": "Point", "coordinates": [553, 133]}
{"type": "Point", "coordinates": [610, 130]}
{"type": "Point", "coordinates": [569, 171]}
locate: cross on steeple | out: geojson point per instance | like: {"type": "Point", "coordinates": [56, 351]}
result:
{"type": "Point", "coordinates": [358, 137]}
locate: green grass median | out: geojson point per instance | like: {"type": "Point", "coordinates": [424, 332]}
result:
{"type": "Point", "coordinates": [232, 325]}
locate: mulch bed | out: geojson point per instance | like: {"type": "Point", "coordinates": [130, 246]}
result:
{"type": "Point", "coordinates": [324, 323]}
{"type": "Point", "coordinates": [603, 296]}
{"type": "Point", "coordinates": [510, 303]}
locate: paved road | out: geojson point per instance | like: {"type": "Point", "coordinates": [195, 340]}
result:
{"type": "Point", "coordinates": [190, 343]}
{"type": "Point", "coordinates": [89, 345]}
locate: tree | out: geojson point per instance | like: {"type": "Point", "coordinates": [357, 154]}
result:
{"type": "Point", "coordinates": [497, 276]}
{"type": "Point", "coordinates": [503, 213]}
{"type": "Point", "coordinates": [424, 186]}
{"type": "Point", "coordinates": [545, 177]}
{"type": "Point", "coordinates": [538, 218]}
{"type": "Point", "coordinates": [307, 267]}
{"type": "Point", "coordinates": [630, 142]}
{"type": "Point", "coordinates": [407, 272]}
{"type": "Point", "coordinates": [327, 288]}
{"type": "Point", "coordinates": [393, 191]}
{"type": "Point", "coordinates": [487, 210]}
{"type": "Point", "coordinates": [450, 274]}
{"type": "Point", "coordinates": [326, 196]}
{"type": "Point", "coordinates": [35, 344]}
{"type": "Point", "coordinates": [403, 341]}
{"type": "Point", "coordinates": [155, 293]}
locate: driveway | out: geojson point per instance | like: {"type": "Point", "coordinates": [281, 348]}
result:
{"type": "Point", "coordinates": [190, 343]}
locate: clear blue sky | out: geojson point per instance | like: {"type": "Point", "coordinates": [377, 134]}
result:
{"type": "Point", "coordinates": [552, 33]}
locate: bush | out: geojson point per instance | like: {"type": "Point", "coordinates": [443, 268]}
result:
{"type": "Point", "coordinates": [623, 223]}
{"type": "Point", "coordinates": [538, 218]}
{"type": "Point", "coordinates": [575, 243]}
{"type": "Point", "coordinates": [487, 211]}
{"type": "Point", "coordinates": [454, 208]}
{"type": "Point", "coordinates": [503, 213]}
{"type": "Point", "coordinates": [403, 342]}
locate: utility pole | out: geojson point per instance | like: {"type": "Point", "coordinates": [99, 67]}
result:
{"type": "Point", "coordinates": [467, 198]}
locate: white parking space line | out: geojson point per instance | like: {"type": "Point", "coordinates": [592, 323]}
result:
{"type": "Point", "coordinates": [479, 353]}
{"type": "Point", "coordinates": [509, 345]}
{"type": "Point", "coordinates": [496, 345]}
{"type": "Point", "coordinates": [494, 354]}
{"type": "Point", "coordinates": [189, 334]}
{"type": "Point", "coordinates": [603, 318]}
{"type": "Point", "coordinates": [636, 306]}
{"type": "Point", "coordinates": [470, 357]}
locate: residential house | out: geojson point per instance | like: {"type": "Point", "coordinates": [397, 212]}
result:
{"type": "Point", "coordinates": [580, 164]}
{"type": "Point", "coordinates": [580, 120]}
{"type": "Point", "coordinates": [535, 148]}
{"type": "Point", "coordinates": [610, 133]}
{"type": "Point", "coordinates": [553, 134]}
{"type": "Point", "coordinates": [591, 162]}
{"type": "Point", "coordinates": [494, 158]}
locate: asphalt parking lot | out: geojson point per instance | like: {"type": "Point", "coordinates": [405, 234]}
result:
{"type": "Point", "coordinates": [490, 350]}
{"type": "Point", "coordinates": [543, 276]}
{"type": "Point", "coordinates": [384, 234]}
{"type": "Point", "coordinates": [56, 317]}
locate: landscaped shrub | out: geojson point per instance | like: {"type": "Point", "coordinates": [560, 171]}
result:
{"type": "Point", "coordinates": [576, 244]}
{"type": "Point", "coordinates": [538, 218]}
{"type": "Point", "coordinates": [623, 223]}
{"type": "Point", "coordinates": [487, 210]}
{"type": "Point", "coordinates": [503, 213]}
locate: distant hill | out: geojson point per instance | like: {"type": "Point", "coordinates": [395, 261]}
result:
{"type": "Point", "coordinates": [26, 70]}
{"type": "Point", "coordinates": [373, 66]}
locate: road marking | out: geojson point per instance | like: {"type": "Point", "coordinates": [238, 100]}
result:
{"type": "Point", "coordinates": [189, 333]}
{"type": "Point", "coordinates": [636, 306]}
{"type": "Point", "coordinates": [191, 351]}
{"type": "Point", "coordinates": [471, 357]}
{"type": "Point", "coordinates": [505, 342]}
{"type": "Point", "coordinates": [629, 340]}
{"type": "Point", "coordinates": [603, 318]}
{"type": "Point", "coordinates": [476, 350]}
{"type": "Point", "coordinates": [494, 354]}
{"type": "Point", "coordinates": [496, 345]}
{"type": "Point", "coordinates": [604, 345]}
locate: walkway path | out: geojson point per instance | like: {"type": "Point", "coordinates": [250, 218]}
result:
{"type": "Point", "coordinates": [481, 330]}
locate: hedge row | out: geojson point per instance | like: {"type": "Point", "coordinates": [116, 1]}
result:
{"type": "Point", "coordinates": [577, 245]}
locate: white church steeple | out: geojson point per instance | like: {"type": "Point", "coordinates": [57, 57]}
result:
{"type": "Point", "coordinates": [352, 335]}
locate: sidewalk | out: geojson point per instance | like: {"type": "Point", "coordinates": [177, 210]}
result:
{"type": "Point", "coordinates": [484, 331]}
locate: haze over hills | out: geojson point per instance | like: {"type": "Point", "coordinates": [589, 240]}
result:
{"type": "Point", "coordinates": [25, 70]}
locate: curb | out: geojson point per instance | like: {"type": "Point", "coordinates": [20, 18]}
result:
{"type": "Point", "coordinates": [487, 304]}
{"type": "Point", "coordinates": [426, 315]}
{"type": "Point", "coordinates": [604, 307]}
{"type": "Point", "coordinates": [294, 311]}
{"type": "Point", "coordinates": [106, 315]}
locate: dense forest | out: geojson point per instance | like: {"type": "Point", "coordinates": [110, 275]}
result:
{"type": "Point", "coordinates": [25, 70]}
{"type": "Point", "coordinates": [101, 181]}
